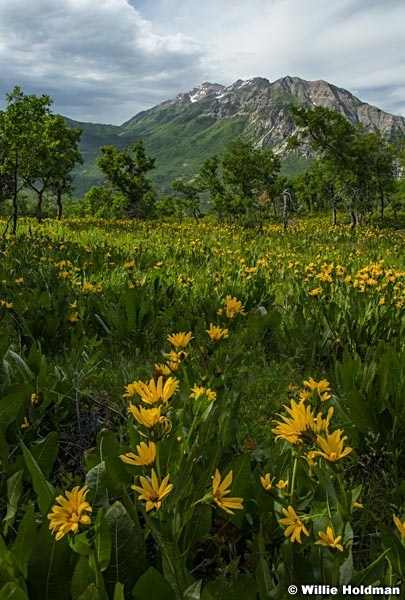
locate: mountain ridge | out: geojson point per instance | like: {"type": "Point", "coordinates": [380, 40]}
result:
{"type": "Point", "coordinates": [183, 131]}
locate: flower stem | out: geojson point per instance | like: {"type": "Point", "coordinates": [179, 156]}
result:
{"type": "Point", "coordinates": [294, 474]}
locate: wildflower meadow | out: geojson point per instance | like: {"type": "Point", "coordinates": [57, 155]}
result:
{"type": "Point", "coordinates": [200, 411]}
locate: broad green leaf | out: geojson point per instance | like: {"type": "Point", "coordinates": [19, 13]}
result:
{"type": "Point", "coordinates": [82, 577]}
{"type": "Point", "coordinates": [119, 592]}
{"type": "Point", "coordinates": [396, 551]}
{"type": "Point", "coordinates": [173, 561]}
{"type": "Point", "coordinates": [127, 550]}
{"type": "Point", "coordinates": [10, 406]}
{"type": "Point", "coordinates": [14, 489]}
{"type": "Point", "coordinates": [22, 366]}
{"type": "Point", "coordinates": [153, 584]}
{"type": "Point", "coordinates": [25, 539]}
{"type": "Point", "coordinates": [45, 452]}
{"type": "Point", "coordinates": [44, 490]}
{"type": "Point", "coordinates": [49, 567]}
{"type": "Point", "coordinates": [11, 592]}
{"type": "Point", "coordinates": [4, 451]}
{"type": "Point", "coordinates": [102, 542]}
{"type": "Point", "coordinates": [96, 480]}
{"type": "Point", "coordinates": [372, 574]}
{"type": "Point", "coordinates": [263, 576]}
{"type": "Point", "coordinates": [238, 587]}
{"type": "Point", "coordinates": [90, 593]}
{"type": "Point", "coordinates": [198, 527]}
{"type": "Point", "coordinates": [193, 592]}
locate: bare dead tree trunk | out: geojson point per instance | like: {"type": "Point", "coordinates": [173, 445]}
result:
{"type": "Point", "coordinates": [39, 206]}
{"type": "Point", "coordinates": [15, 199]}
{"type": "Point", "coordinates": [59, 203]}
{"type": "Point", "coordinates": [353, 219]}
{"type": "Point", "coordinates": [334, 213]}
{"type": "Point", "coordinates": [286, 200]}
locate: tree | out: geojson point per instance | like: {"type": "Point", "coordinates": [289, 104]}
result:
{"type": "Point", "coordinates": [38, 150]}
{"type": "Point", "coordinates": [316, 187]}
{"type": "Point", "coordinates": [210, 182]}
{"type": "Point", "coordinates": [126, 170]}
{"type": "Point", "coordinates": [20, 139]}
{"type": "Point", "coordinates": [248, 171]}
{"type": "Point", "coordinates": [56, 155]}
{"type": "Point", "coordinates": [358, 165]}
{"type": "Point", "coordinates": [190, 201]}
{"type": "Point", "coordinates": [101, 202]}
{"type": "Point", "coordinates": [64, 155]}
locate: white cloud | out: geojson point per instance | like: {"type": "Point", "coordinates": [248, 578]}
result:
{"type": "Point", "coordinates": [99, 59]}
{"type": "Point", "coordinates": [105, 60]}
{"type": "Point", "coordinates": [357, 44]}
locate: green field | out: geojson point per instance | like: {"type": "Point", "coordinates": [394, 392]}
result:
{"type": "Point", "coordinates": [266, 447]}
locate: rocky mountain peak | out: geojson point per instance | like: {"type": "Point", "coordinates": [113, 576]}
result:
{"type": "Point", "coordinates": [203, 91]}
{"type": "Point", "coordinates": [182, 131]}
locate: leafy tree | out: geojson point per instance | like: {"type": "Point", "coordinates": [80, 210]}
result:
{"type": "Point", "coordinates": [125, 170]}
{"type": "Point", "coordinates": [20, 135]}
{"type": "Point", "coordinates": [316, 188]}
{"type": "Point", "coordinates": [190, 201]}
{"type": "Point", "coordinates": [56, 155]}
{"type": "Point", "coordinates": [38, 150]}
{"type": "Point", "coordinates": [210, 181]}
{"type": "Point", "coordinates": [358, 166]}
{"type": "Point", "coordinates": [64, 155]}
{"type": "Point", "coordinates": [248, 171]}
{"type": "Point", "coordinates": [101, 202]}
{"type": "Point", "coordinates": [170, 206]}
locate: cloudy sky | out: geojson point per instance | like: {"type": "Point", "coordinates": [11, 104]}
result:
{"type": "Point", "coordinates": [106, 60]}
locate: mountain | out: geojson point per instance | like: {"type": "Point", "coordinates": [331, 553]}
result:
{"type": "Point", "coordinates": [182, 132]}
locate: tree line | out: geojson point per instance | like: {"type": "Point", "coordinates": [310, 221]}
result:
{"type": "Point", "coordinates": [350, 168]}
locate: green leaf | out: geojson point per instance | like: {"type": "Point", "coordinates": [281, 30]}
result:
{"type": "Point", "coordinates": [238, 587]}
{"type": "Point", "coordinates": [127, 550]}
{"type": "Point", "coordinates": [44, 490]}
{"type": "Point", "coordinates": [102, 542]}
{"type": "Point", "coordinates": [374, 573]}
{"type": "Point", "coordinates": [14, 489]}
{"type": "Point", "coordinates": [173, 561]}
{"type": "Point", "coordinates": [49, 570]}
{"type": "Point", "coordinates": [11, 592]}
{"type": "Point", "coordinates": [325, 482]}
{"type": "Point", "coordinates": [90, 593]}
{"type": "Point", "coordinates": [25, 539]}
{"type": "Point", "coordinates": [22, 366]}
{"type": "Point", "coordinates": [10, 407]}
{"type": "Point", "coordinates": [45, 452]}
{"type": "Point", "coordinates": [396, 551]}
{"type": "Point", "coordinates": [264, 581]}
{"type": "Point", "coordinates": [193, 592]}
{"type": "Point", "coordinates": [4, 451]}
{"type": "Point", "coordinates": [198, 526]}
{"type": "Point", "coordinates": [96, 480]}
{"type": "Point", "coordinates": [241, 480]}
{"type": "Point", "coordinates": [263, 577]}
{"type": "Point", "coordinates": [82, 577]}
{"type": "Point", "coordinates": [153, 584]}
{"type": "Point", "coordinates": [119, 592]}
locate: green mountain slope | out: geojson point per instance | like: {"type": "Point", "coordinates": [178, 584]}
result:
{"type": "Point", "coordinates": [182, 132]}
